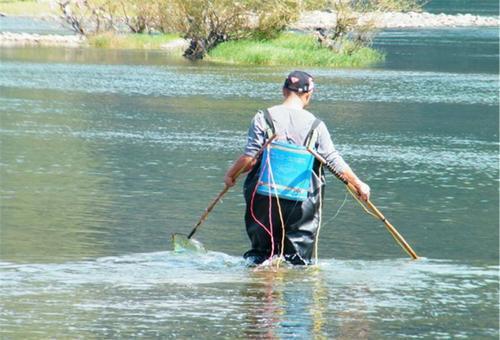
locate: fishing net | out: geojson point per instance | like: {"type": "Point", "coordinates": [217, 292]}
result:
{"type": "Point", "coordinates": [181, 243]}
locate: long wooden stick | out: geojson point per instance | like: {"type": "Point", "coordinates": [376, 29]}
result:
{"type": "Point", "coordinates": [208, 210]}
{"type": "Point", "coordinates": [226, 188]}
{"type": "Point", "coordinates": [395, 234]}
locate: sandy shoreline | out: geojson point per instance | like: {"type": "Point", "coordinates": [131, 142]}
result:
{"type": "Point", "coordinates": [29, 39]}
{"type": "Point", "coordinates": [309, 21]}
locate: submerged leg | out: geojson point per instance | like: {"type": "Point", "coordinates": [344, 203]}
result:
{"type": "Point", "coordinates": [261, 239]}
{"type": "Point", "coordinates": [302, 226]}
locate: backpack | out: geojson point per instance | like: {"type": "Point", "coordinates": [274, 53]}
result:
{"type": "Point", "coordinates": [286, 169]}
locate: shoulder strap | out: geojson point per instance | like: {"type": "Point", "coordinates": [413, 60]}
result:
{"type": "Point", "coordinates": [312, 137]}
{"type": "Point", "coordinates": [270, 125]}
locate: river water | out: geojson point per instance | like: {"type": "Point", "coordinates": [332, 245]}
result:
{"type": "Point", "coordinates": [105, 154]}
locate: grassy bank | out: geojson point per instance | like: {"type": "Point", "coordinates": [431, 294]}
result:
{"type": "Point", "coordinates": [27, 8]}
{"type": "Point", "coordinates": [292, 50]}
{"type": "Point", "coordinates": [289, 49]}
{"type": "Point", "coordinates": [131, 41]}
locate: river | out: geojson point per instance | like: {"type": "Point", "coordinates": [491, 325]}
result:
{"type": "Point", "coordinates": [106, 153]}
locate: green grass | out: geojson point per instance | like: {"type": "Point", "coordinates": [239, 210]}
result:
{"type": "Point", "coordinates": [26, 8]}
{"type": "Point", "coordinates": [130, 41]}
{"type": "Point", "coordinates": [292, 50]}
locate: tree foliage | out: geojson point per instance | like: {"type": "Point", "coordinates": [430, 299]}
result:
{"type": "Point", "coordinates": [367, 5]}
{"type": "Point", "coordinates": [89, 17]}
{"type": "Point", "coordinates": [140, 16]}
{"type": "Point", "coordinates": [207, 23]}
{"type": "Point", "coordinates": [389, 5]}
{"type": "Point", "coordinates": [350, 33]}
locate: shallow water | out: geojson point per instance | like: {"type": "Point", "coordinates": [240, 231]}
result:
{"type": "Point", "coordinates": [104, 154]}
{"type": "Point", "coordinates": [183, 295]}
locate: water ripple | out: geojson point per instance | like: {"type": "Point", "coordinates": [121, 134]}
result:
{"type": "Point", "coordinates": [169, 291]}
{"type": "Point", "coordinates": [344, 85]}
{"type": "Point", "coordinates": [439, 153]}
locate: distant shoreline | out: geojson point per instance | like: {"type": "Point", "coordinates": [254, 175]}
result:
{"type": "Point", "coordinates": [9, 39]}
{"type": "Point", "coordinates": [309, 21]}
{"type": "Point", "coordinates": [382, 20]}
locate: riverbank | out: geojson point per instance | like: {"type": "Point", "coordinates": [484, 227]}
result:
{"type": "Point", "coordinates": [293, 50]}
{"type": "Point", "coordinates": [320, 19]}
{"type": "Point", "coordinates": [308, 21]}
{"type": "Point", "coordinates": [138, 41]}
{"type": "Point", "coordinates": [168, 42]}
{"type": "Point", "coordinates": [272, 52]}
{"type": "Point", "coordinates": [288, 49]}
{"type": "Point", "coordinates": [9, 39]}
{"type": "Point", "coordinates": [380, 20]}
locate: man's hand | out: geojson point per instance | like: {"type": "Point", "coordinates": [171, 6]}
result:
{"type": "Point", "coordinates": [363, 190]}
{"type": "Point", "coordinates": [242, 164]}
{"type": "Point", "coordinates": [229, 180]}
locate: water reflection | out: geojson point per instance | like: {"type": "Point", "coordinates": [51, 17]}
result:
{"type": "Point", "coordinates": [169, 294]}
{"type": "Point", "coordinates": [294, 303]}
{"type": "Point", "coordinates": [285, 305]}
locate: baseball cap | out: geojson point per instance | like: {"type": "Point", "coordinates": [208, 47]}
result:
{"type": "Point", "coordinates": [299, 81]}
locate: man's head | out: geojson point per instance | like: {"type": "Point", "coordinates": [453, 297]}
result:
{"type": "Point", "coordinates": [300, 84]}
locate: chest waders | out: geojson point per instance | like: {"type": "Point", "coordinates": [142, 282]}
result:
{"type": "Point", "coordinates": [282, 194]}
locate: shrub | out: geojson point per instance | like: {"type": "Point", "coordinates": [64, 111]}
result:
{"type": "Point", "coordinates": [294, 50]}
{"type": "Point", "coordinates": [390, 5]}
{"type": "Point", "coordinates": [130, 41]}
{"type": "Point", "coordinates": [90, 16]}
{"type": "Point", "coordinates": [351, 34]}
{"type": "Point", "coordinates": [141, 16]}
{"type": "Point", "coordinates": [207, 23]}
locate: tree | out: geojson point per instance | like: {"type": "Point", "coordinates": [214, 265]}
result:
{"type": "Point", "coordinates": [350, 33]}
{"type": "Point", "coordinates": [140, 16]}
{"type": "Point", "coordinates": [90, 17]}
{"type": "Point", "coordinates": [207, 23]}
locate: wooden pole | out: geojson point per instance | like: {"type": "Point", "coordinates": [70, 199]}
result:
{"type": "Point", "coordinates": [226, 188]}
{"type": "Point", "coordinates": [208, 210]}
{"type": "Point", "coordinates": [395, 234]}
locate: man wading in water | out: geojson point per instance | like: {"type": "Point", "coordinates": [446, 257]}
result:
{"type": "Point", "coordinates": [284, 188]}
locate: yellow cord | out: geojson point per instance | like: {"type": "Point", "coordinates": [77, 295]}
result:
{"type": "Point", "coordinates": [361, 203]}
{"type": "Point", "coordinates": [281, 217]}
{"type": "Point", "coordinates": [282, 234]}
{"type": "Point", "coordinates": [320, 215]}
